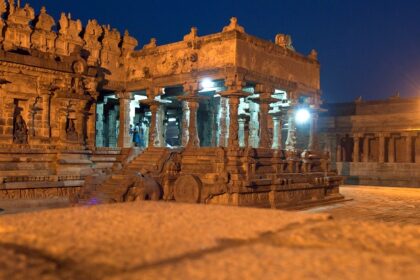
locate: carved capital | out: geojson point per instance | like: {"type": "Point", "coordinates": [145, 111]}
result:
{"type": "Point", "coordinates": [124, 95]}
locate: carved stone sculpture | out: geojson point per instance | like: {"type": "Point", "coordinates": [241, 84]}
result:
{"type": "Point", "coordinates": [284, 41]}
{"type": "Point", "coordinates": [234, 26]}
{"type": "Point", "coordinates": [18, 31]}
{"type": "Point", "coordinates": [20, 130]}
{"type": "Point", "coordinates": [71, 130]}
{"type": "Point", "coordinates": [92, 33]}
{"type": "Point", "coordinates": [69, 35]}
{"type": "Point", "coordinates": [43, 38]}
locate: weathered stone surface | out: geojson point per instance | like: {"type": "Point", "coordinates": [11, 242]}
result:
{"type": "Point", "coordinates": [152, 240]}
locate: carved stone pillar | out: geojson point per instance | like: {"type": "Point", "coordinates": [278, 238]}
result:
{"type": "Point", "coordinates": [366, 149]}
{"type": "Point", "coordinates": [193, 140]}
{"type": "Point", "coordinates": [241, 122]}
{"type": "Point", "coordinates": [233, 125]}
{"type": "Point", "coordinates": [291, 131]}
{"type": "Point", "coordinates": [124, 138]}
{"type": "Point", "coordinates": [381, 147]}
{"type": "Point", "coordinates": [233, 94]}
{"type": "Point", "coordinates": [264, 100]}
{"type": "Point", "coordinates": [192, 100]}
{"type": "Point", "coordinates": [408, 148]}
{"type": "Point", "coordinates": [36, 119]}
{"type": "Point", "coordinates": [152, 130]}
{"type": "Point", "coordinates": [313, 133]}
{"type": "Point", "coordinates": [254, 126]}
{"type": "Point", "coordinates": [356, 148]}
{"type": "Point", "coordinates": [224, 121]}
{"type": "Point", "coordinates": [213, 126]}
{"type": "Point", "coordinates": [185, 123]}
{"type": "Point", "coordinates": [90, 126]}
{"type": "Point", "coordinates": [243, 130]}
{"type": "Point", "coordinates": [112, 124]}
{"type": "Point", "coordinates": [160, 140]}
{"type": "Point", "coordinates": [100, 125]}
{"type": "Point", "coordinates": [46, 114]}
{"type": "Point", "coordinates": [277, 139]}
{"type": "Point", "coordinates": [81, 123]}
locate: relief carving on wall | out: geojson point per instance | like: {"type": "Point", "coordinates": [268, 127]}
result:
{"type": "Point", "coordinates": [20, 129]}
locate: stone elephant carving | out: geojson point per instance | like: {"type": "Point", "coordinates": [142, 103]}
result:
{"type": "Point", "coordinates": [144, 188]}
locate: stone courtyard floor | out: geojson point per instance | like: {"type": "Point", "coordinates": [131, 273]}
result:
{"type": "Point", "coordinates": [382, 204]}
{"type": "Point", "coordinates": [374, 236]}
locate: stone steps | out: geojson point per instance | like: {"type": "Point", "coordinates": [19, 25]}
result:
{"type": "Point", "coordinates": [116, 185]}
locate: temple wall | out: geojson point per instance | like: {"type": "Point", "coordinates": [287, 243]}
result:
{"type": "Point", "coordinates": [380, 174]}
{"type": "Point", "coordinates": [374, 142]}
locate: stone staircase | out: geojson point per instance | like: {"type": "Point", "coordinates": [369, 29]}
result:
{"type": "Point", "coordinates": [111, 187]}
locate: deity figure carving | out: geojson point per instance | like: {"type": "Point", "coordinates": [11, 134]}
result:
{"type": "Point", "coordinates": [20, 130]}
{"type": "Point", "coordinates": [284, 41]}
{"type": "Point", "coordinates": [71, 130]}
{"type": "Point", "coordinates": [234, 26]}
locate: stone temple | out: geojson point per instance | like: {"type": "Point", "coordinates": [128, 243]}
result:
{"type": "Point", "coordinates": [209, 119]}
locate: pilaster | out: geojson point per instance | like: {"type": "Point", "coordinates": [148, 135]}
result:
{"type": "Point", "coordinates": [356, 147]}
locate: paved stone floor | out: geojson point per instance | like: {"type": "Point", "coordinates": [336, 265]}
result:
{"type": "Point", "coordinates": [384, 204]}
{"type": "Point", "coordinates": [375, 236]}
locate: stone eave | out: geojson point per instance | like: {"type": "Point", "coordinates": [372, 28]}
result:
{"type": "Point", "coordinates": [223, 36]}
{"type": "Point", "coordinates": [39, 64]}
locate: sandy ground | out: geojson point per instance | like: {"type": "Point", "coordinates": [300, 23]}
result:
{"type": "Point", "coordinates": [375, 236]}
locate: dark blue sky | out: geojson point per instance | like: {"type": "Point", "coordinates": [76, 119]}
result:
{"type": "Point", "coordinates": [367, 48]}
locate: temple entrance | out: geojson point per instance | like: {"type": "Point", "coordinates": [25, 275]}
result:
{"type": "Point", "coordinates": [108, 120]}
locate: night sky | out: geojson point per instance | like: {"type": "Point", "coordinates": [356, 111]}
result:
{"type": "Point", "coordinates": [368, 48]}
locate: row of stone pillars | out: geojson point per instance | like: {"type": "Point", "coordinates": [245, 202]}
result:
{"type": "Point", "coordinates": [229, 127]}
{"type": "Point", "coordinates": [386, 148]}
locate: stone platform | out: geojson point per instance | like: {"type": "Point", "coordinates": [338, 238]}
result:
{"type": "Point", "coordinates": [157, 240]}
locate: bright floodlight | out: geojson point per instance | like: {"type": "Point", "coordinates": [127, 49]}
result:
{"type": "Point", "coordinates": [302, 116]}
{"type": "Point", "coordinates": [207, 83]}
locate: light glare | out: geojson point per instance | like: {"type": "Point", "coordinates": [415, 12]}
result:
{"type": "Point", "coordinates": [207, 83]}
{"type": "Point", "coordinates": [302, 116]}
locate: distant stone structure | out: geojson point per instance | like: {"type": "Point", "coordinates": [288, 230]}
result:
{"type": "Point", "coordinates": [374, 142]}
{"type": "Point", "coordinates": [215, 114]}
